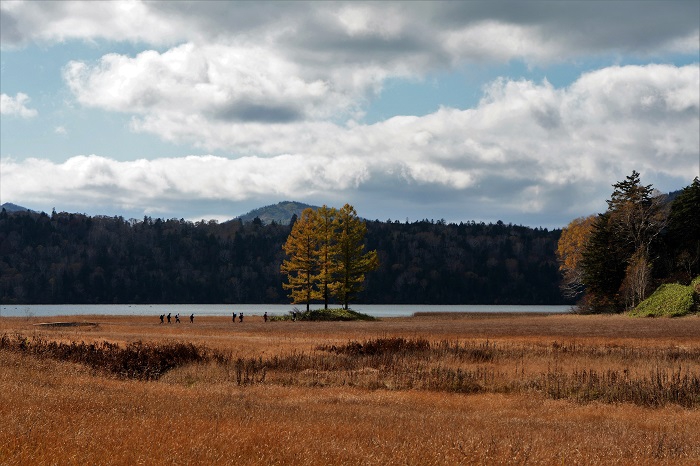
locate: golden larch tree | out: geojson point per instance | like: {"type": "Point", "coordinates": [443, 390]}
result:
{"type": "Point", "coordinates": [325, 226]}
{"type": "Point", "coordinates": [572, 243]}
{"type": "Point", "coordinates": [351, 260]}
{"type": "Point", "coordinates": [301, 266]}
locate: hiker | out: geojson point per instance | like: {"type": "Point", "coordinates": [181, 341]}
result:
{"type": "Point", "coordinates": [177, 318]}
{"type": "Point", "coordinates": [169, 318]}
{"type": "Point", "coordinates": [240, 317]}
{"type": "Point", "coordinates": [162, 316]}
{"type": "Point", "coordinates": [192, 318]}
{"type": "Point", "coordinates": [233, 317]}
{"type": "Point", "coordinates": [265, 317]}
{"type": "Point", "coordinates": [294, 316]}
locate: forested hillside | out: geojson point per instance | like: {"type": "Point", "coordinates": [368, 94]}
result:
{"type": "Point", "coordinates": [74, 258]}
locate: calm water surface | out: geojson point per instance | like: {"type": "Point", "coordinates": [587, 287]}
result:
{"type": "Point", "coordinates": [376, 310]}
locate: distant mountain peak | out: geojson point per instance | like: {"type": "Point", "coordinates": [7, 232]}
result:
{"type": "Point", "coordinates": [10, 207]}
{"type": "Point", "coordinates": [281, 213]}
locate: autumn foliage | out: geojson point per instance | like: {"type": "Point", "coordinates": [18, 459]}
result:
{"type": "Point", "coordinates": [615, 259]}
{"type": "Point", "coordinates": [326, 257]}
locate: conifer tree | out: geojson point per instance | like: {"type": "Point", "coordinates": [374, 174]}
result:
{"type": "Point", "coordinates": [301, 267]}
{"type": "Point", "coordinates": [351, 262]}
{"type": "Point", "coordinates": [618, 260]}
{"type": "Point", "coordinates": [684, 230]}
{"type": "Point", "coordinates": [325, 228]}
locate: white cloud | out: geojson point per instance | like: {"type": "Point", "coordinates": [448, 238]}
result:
{"type": "Point", "coordinates": [526, 148]}
{"type": "Point", "coordinates": [216, 82]}
{"type": "Point", "coordinates": [51, 22]}
{"type": "Point", "coordinates": [16, 106]}
{"type": "Point", "coordinates": [283, 86]}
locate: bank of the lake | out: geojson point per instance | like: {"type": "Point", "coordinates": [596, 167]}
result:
{"type": "Point", "coordinates": [374, 310]}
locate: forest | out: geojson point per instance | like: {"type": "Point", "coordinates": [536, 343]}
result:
{"type": "Point", "coordinates": [72, 258]}
{"type": "Point", "coordinates": [614, 260]}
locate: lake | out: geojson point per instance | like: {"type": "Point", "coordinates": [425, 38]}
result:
{"type": "Point", "coordinates": [376, 310]}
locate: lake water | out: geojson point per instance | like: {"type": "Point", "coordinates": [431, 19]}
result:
{"type": "Point", "coordinates": [376, 310]}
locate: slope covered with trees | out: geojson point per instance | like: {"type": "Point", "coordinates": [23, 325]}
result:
{"type": "Point", "coordinates": [74, 258]}
{"type": "Point", "coordinates": [614, 260]}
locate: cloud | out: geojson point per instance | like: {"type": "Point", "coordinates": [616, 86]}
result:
{"type": "Point", "coordinates": [527, 151]}
{"type": "Point", "coordinates": [15, 106]}
{"type": "Point", "coordinates": [430, 32]}
{"type": "Point", "coordinates": [224, 83]}
{"type": "Point", "coordinates": [281, 87]}
{"type": "Point", "coordinates": [52, 22]}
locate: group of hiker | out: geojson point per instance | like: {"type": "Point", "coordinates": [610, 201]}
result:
{"type": "Point", "coordinates": [233, 317]}
{"type": "Point", "coordinates": [177, 318]}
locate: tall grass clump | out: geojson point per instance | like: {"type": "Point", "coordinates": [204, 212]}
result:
{"type": "Point", "coordinates": [143, 361]}
{"type": "Point", "coordinates": [583, 373]}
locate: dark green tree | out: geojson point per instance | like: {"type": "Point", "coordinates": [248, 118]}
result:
{"type": "Point", "coordinates": [684, 231]}
{"type": "Point", "coordinates": [618, 260]}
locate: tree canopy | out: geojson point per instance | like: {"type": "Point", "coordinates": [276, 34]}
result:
{"type": "Point", "coordinates": [326, 256]}
{"type": "Point", "coordinates": [72, 258]}
{"type": "Point", "coordinates": [642, 240]}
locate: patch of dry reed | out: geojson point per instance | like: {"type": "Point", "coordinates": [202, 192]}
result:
{"type": "Point", "coordinates": [392, 393]}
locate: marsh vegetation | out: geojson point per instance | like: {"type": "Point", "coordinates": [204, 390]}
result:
{"type": "Point", "coordinates": [450, 389]}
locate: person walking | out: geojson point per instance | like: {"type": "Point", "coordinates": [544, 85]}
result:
{"type": "Point", "coordinates": [177, 318]}
{"type": "Point", "coordinates": [169, 318]}
{"type": "Point", "coordinates": [192, 318]}
{"type": "Point", "coordinates": [233, 317]}
{"type": "Point", "coordinates": [240, 317]}
{"type": "Point", "coordinates": [162, 316]}
{"type": "Point", "coordinates": [265, 317]}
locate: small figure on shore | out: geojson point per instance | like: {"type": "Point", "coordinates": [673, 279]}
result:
{"type": "Point", "coordinates": [233, 317]}
{"type": "Point", "coordinates": [169, 318]}
{"type": "Point", "coordinates": [162, 316]}
{"type": "Point", "coordinates": [177, 318]}
{"type": "Point", "coordinates": [294, 316]}
{"type": "Point", "coordinates": [240, 317]}
{"type": "Point", "coordinates": [192, 318]}
{"type": "Point", "coordinates": [265, 317]}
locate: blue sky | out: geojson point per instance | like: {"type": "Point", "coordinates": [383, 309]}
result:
{"type": "Point", "coordinates": [525, 112]}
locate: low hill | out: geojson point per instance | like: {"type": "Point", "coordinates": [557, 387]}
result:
{"type": "Point", "coordinates": [10, 207]}
{"type": "Point", "coordinates": [670, 300]}
{"type": "Point", "coordinates": [280, 213]}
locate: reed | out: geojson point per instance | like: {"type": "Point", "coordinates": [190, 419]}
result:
{"type": "Point", "coordinates": [535, 390]}
{"type": "Point", "coordinates": [399, 363]}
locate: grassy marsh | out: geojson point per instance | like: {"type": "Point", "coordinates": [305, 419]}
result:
{"type": "Point", "coordinates": [457, 389]}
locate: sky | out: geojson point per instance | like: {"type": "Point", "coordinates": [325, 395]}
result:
{"type": "Point", "coordinates": [525, 112]}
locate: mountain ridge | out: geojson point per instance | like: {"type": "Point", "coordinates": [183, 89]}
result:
{"type": "Point", "coordinates": [280, 213]}
{"type": "Point", "coordinates": [10, 207]}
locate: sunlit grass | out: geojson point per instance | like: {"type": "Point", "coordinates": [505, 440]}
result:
{"type": "Point", "coordinates": [542, 390]}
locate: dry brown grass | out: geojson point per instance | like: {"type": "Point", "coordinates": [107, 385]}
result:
{"type": "Point", "coordinates": [329, 407]}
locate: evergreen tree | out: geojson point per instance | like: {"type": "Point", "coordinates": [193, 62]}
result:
{"type": "Point", "coordinates": [618, 259]}
{"type": "Point", "coordinates": [301, 266]}
{"type": "Point", "coordinates": [351, 262]}
{"type": "Point", "coordinates": [684, 231]}
{"type": "Point", "coordinates": [603, 269]}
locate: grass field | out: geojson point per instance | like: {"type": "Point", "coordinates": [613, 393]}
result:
{"type": "Point", "coordinates": [431, 389]}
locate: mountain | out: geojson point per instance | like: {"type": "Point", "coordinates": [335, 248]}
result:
{"type": "Point", "coordinates": [10, 207]}
{"type": "Point", "coordinates": [280, 213]}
